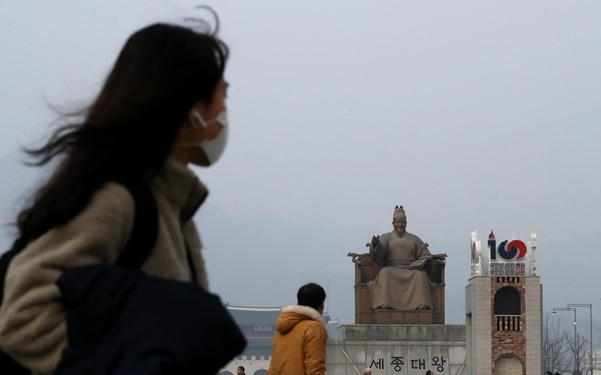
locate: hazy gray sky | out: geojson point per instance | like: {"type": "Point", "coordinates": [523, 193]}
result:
{"type": "Point", "coordinates": [470, 114]}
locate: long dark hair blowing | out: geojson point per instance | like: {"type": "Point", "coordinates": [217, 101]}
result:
{"type": "Point", "coordinates": [128, 131]}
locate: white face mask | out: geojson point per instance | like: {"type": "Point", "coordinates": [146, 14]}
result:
{"type": "Point", "coordinates": [213, 148]}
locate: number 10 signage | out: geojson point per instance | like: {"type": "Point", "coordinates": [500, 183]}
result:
{"type": "Point", "coordinates": [507, 259]}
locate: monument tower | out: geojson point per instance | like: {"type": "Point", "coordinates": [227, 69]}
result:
{"type": "Point", "coordinates": [399, 311]}
{"type": "Point", "coordinates": [503, 309]}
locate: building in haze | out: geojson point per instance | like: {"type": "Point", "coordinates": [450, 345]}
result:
{"type": "Point", "coordinates": [258, 326]}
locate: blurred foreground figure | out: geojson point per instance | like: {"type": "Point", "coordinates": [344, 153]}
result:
{"type": "Point", "coordinates": [106, 274]}
{"type": "Point", "coordinates": [299, 344]}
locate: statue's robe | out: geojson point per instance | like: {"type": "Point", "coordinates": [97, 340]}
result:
{"type": "Point", "coordinates": [398, 285]}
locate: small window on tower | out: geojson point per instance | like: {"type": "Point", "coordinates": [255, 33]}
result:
{"type": "Point", "coordinates": [508, 301]}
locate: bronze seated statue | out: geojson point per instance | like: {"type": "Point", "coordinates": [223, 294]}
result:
{"type": "Point", "coordinates": [399, 280]}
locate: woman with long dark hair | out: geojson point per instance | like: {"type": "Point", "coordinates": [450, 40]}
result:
{"type": "Point", "coordinates": [161, 108]}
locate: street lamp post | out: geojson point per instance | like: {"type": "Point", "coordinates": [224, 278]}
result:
{"type": "Point", "coordinates": [555, 309]}
{"type": "Point", "coordinates": [590, 307]}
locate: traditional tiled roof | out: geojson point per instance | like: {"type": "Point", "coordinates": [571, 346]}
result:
{"type": "Point", "coordinates": [254, 316]}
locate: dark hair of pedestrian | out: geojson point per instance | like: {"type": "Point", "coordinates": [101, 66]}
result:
{"type": "Point", "coordinates": [128, 131]}
{"type": "Point", "coordinates": [311, 295]}
{"type": "Point", "coordinates": [242, 368]}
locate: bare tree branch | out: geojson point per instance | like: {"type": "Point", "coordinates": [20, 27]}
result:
{"type": "Point", "coordinates": [577, 346]}
{"type": "Point", "coordinates": [555, 348]}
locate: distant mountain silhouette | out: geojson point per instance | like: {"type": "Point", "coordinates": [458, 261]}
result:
{"type": "Point", "coordinates": [261, 261]}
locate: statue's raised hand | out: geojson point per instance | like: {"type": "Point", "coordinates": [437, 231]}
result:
{"type": "Point", "coordinates": [375, 241]}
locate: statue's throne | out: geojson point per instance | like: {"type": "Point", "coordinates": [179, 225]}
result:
{"type": "Point", "coordinates": [367, 270]}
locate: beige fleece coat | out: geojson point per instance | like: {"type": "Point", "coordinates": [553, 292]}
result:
{"type": "Point", "coordinates": [32, 318]}
{"type": "Point", "coordinates": [299, 344]}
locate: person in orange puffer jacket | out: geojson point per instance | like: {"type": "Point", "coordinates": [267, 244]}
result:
{"type": "Point", "coordinates": [299, 344]}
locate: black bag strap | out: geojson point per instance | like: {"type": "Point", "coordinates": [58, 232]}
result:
{"type": "Point", "coordinates": [145, 228]}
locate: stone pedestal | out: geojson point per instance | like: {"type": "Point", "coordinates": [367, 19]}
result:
{"type": "Point", "coordinates": [395, 316]}
{"type": "Point", "coordinates": [407, 349]}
